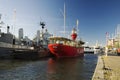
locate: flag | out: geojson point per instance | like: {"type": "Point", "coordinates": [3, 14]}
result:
{"type": "Point", "coordinates": [107, 34]}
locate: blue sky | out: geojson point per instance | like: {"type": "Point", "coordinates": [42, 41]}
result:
{"type": "Point", "coordinates": [96, 17]}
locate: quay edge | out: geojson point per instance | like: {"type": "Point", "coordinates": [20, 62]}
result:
{"type": "Point", "coordinates": [108, 68]}
{"type": "Point", "coordinates": [98, 73]}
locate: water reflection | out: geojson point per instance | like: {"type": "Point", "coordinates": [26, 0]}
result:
{"type": "Point", "coordinates": [11, 64]}
{"type": "Point", "coordinates": [49, 69]}
{"type": "Point", "coordinates": [65, 69]}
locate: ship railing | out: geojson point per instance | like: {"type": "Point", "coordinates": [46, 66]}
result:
{"type": "Point", "coordinates": [7, 45]}
{"type": "Point", "coordinates": [2, 44]}
{"type": "Point", "coordinates": [23, 47]}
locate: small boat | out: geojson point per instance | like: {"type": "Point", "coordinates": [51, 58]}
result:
{"type": "Point", "coordinates": [97, 50]}
{"type": "Point", "coordinates": [88, 49]}
{"type": "Point", "coordinates": [64, 47]}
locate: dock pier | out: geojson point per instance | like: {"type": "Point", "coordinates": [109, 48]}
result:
{"type": "Point", "coordinates": [98, 74]}
{"type": "Point", "coordinates": [108, 68]}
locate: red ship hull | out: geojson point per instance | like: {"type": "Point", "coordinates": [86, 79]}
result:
{"type": "Point", "coordinates": [60, 50]}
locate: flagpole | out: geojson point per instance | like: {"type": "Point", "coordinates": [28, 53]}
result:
{"type": "Point", "coordinates": [106, 48]}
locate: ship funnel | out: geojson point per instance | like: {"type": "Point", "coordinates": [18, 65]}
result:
{"type": "Point", "coordinates": [74, 34]}
{"type": "Point", "coordinates": [8, 28]}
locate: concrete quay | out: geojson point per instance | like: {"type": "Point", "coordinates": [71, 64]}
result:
{"type": "Point", "coordinates": [108, 68]}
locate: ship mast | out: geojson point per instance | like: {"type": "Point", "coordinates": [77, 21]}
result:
{"type": "Point", "coordinates": [1, 22]}
{"type": "Point", "coordinates": [64, 19]}
{"type": "Point", "coordinates": [14, 18]}
{"type": "Point", "coordinates": [0, 16]}
{"type": "Point", "coordinates": [77, 23]}
{"type": "Point", "coordinates": [43, 26]}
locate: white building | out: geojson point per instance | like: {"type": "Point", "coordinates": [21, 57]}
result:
{"type": "Point", "coordinates": [20, 34]}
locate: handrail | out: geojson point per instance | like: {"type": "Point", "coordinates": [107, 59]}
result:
{"type": "Point", "coordinates": [8, 45]}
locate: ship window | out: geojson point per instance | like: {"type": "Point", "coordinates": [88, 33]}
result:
{"type": "Point", "coordinates": [61, 42]}
{"type": "Point", "coordinates": [57, 42]}
{"type": "Point", "coordinates": [51, 41]}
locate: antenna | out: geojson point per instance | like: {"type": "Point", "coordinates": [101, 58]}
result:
{"type": "Point", "coordinates": [42, 24]}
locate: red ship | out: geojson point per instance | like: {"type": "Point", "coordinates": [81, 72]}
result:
{"type": "Point", "coordinates": [64, 47]}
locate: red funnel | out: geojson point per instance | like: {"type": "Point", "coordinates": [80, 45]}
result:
{"type": "Point", "coordinates": [74, 36]}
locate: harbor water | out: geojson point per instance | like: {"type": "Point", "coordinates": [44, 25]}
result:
{"type": "Point", "coordinates": [49, 68]}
